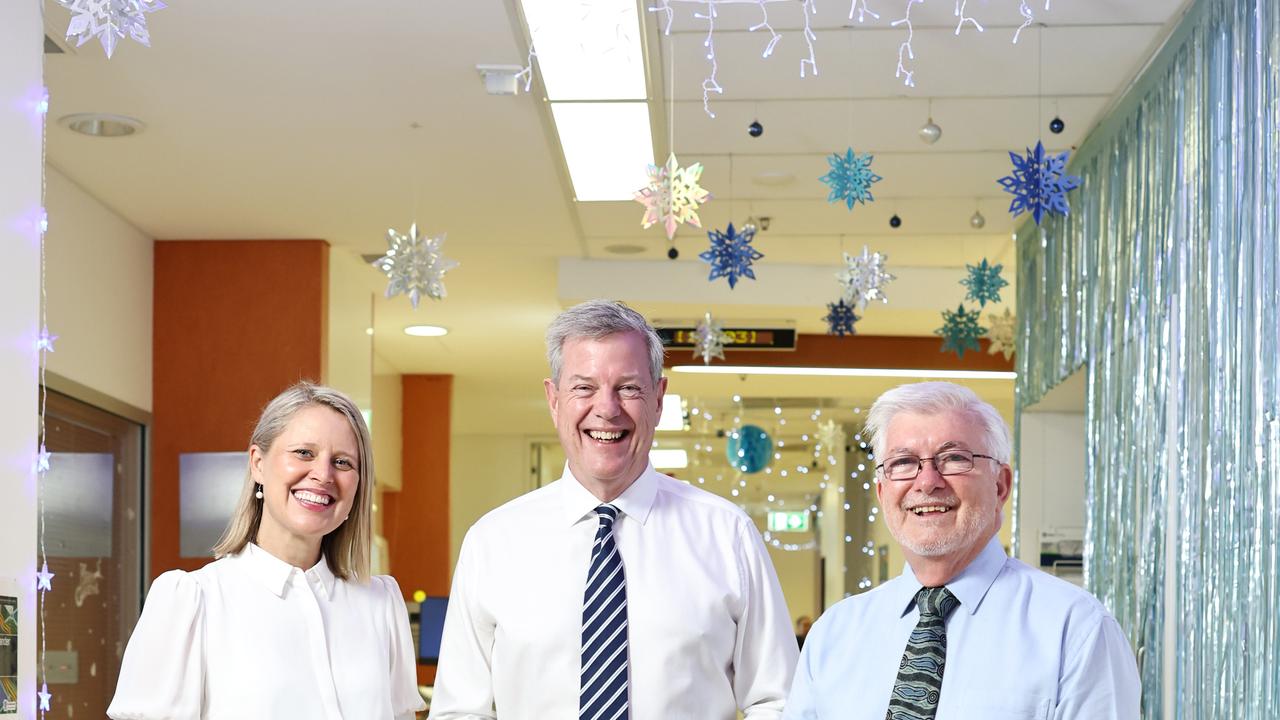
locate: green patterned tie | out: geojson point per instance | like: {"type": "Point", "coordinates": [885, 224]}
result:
{"type": "Point", "coordinates": [919, 684]}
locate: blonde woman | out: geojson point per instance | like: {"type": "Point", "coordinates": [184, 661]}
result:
{"type": "Point", "coordinates": [287, 623]}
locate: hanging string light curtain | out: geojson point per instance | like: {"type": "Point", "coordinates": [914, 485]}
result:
{"type": "Point", "coordinates": [1163, 284]}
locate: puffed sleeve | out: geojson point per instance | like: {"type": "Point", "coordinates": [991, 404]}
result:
{"type": "Point", "coordinates": [162, 675]}
{"type": "Point", "coordinates": [405, 699]}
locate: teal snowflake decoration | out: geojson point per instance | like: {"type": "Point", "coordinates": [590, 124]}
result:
{"type": "Point", "coordinates": [984, 283]}
{"type": "Point", "coordinates": [1038, 183]}
{"type": "Point", "coordinates": [960, 331]}
{"type": "Point", "coordinates": [731, 254]}
{"type": "Point", "coordinates": [850, 178]}
{"type": "Point", "coordinates": [840, 318]}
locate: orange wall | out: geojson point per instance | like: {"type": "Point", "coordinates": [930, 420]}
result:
{"type": "Point", "coordinates": [415, 520]}
{"type": "Point", "coordinates": [235, 322]}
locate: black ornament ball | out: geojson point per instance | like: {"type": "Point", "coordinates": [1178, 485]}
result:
{"type": "Point", "coordinates": [673, 253]}
{"type": "Point", "coordinates": [895, 221]}
{"type": "Point", "coordinates": [755, 129]}
{"type": "Point", "coordinates": [1056, 125]}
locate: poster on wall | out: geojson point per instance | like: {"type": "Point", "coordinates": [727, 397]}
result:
{"type": "Point", "coordinates": [8, 655]}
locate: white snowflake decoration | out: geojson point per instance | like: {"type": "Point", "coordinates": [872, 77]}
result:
{"type": "Point", "coordinates": [863, 278]}
{"type": "Point", "coordinates": [710, 340]}
{"type": "Point", "coordinates": [415, 265]}
{"type": "Point", "coordinates": [1002, 332]}
{"type": "Point", "coordinates": [110, 21]}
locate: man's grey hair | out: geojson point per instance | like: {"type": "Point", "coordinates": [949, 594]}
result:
{"type": "Point", "coordinates": [933, 398]}
{"type": "Point", "coordinates": [597, 319]}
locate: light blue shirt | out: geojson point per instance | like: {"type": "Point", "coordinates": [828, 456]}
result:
{"type": "Point", "coordinates": [1022, 645]}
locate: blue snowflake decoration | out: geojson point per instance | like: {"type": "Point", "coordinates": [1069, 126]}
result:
{"type": "Point", "coordinates": [840, 318]}
{"type": "Point", "coordinates": [984, 283]}
{"type": "Point", "coordinates": [850, 178]}
{"type": "Point", "coordinates": [731, 254]}
{"type": "Point", "coordinates": [960, 331]}
{"type": "Point", "coordinates": [1038, 183]}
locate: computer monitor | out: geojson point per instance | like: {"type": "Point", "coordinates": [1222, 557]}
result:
{"type": "Point", "coordinates": [431, 628]}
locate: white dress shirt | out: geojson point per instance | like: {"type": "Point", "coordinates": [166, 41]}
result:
{"type": "Point", "coordinates": [709, 631]}
{"type": "Point", "coordinates": [1022, 645]}
{"type": "Point", "coordinates": [250, 636]}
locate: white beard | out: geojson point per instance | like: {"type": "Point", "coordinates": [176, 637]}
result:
{"type": "Point", "coordinates": [973, 525]}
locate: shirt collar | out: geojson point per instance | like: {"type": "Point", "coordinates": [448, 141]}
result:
{"type": "Point", "coordinates": [635, 502]}
{"type": "Point", "coordinates": [274, 573]}
{"type": "Point", "coordinates": [969, 587]}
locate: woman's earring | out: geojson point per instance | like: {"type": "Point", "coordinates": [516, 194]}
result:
{"type": "Point", "coordinates": [259, 493]}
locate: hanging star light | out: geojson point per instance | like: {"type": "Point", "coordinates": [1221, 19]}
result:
{"type": "Point", "coordinates": [984, 283]}
{"type": "Point", "coordinates": [1002, 333]}
{"type": "Point", "coordinates": [840, 318]}
{"type": "Point", "coordinates": [731, 255]}
{"type": "Point", "coordinates": [672, 196]}
{"type": "Point", "coordinates": [850, 178]}
{"type": "Point", "coordinates": [863, 278]}
{"type": "Point", "coordinates": [1038, 183]}
{"type": "Point", "coordinates": [415, 265]}
{"type": "Point", "coordinates": [110, 21]}
{"type": "Point", "coordinates": [45, 696]}
{"type": "Point", "coordinates": [45, 341]}
{"type": "Point", "coordinates": [709, 340]}
{"type": "Point", "coordinates": [960, 331]}
{"type": "Point", "coordinates": [44, 578]}
{"type": "Point", "coordinates": [42, 460]}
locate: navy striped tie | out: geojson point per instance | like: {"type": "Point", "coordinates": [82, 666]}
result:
{"type": "Point", "coordinates": [919, 684]}
{"type": "Point", "coordinates": [604, 629]}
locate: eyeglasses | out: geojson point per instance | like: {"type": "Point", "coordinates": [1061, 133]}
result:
{"type": "Point", "coordinates": [951, 462]}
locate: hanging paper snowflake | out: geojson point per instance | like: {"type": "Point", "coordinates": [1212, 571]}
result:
{"type": "Point", "coordinates": [827, 435]}
{"type": "Point", "coordinates": [984, 283]}
{"type": "Point", "coordinates": [840, 318]}
{"type": "Point", "coordinates": [960, 331]}
{"type": "Point", "coordinates": [731, 254]}
{"type": "Point", "coordinates": [414, 265]}
{"type": "Point", "coordinates": [1002, 332]}
{"type": "Point", "coordinates": [672, 196]}
{"type": "Point", "coordinates": [850, 178]}
{"type": "Point", "coordinates": [710, 339]}
{"type": "Point", "coordinates": [110, 21]}
{"type": "Point", "coordinates": [863, 278]}
{"type": "Point", "coordinates": [1038, 183]}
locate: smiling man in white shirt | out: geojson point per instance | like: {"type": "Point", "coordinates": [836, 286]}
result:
{"type": "Point", "coordinates": [966, 632]}
{"type": "Point", "coordinates": [615, 592]}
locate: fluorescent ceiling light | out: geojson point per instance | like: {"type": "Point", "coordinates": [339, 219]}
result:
{"type": "Point", "coordinates": [607, 147]}
{"type": "Point", "coordinates": [587, 51]}
{"type": "Point", "coordinates": [847, 372]}
{"type": "Point", "coordinates": [672, 413]}
{"type": "Point", "coordinates": [666, 458]}
{"type": "Point", "coordinates": [425, 331]}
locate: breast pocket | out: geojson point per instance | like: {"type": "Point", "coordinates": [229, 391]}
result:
{"type": "Point", "coordinates": [1009, 708]}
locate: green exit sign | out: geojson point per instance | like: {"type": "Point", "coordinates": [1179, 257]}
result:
{"type": "Point", "coordinates": [788, 520]}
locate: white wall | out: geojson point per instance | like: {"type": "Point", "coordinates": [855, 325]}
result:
{"type": "Point", "coordinates": [20, 128]}
{"type": "Point", "coordinates": [485, 471]}
{"type": "Point", "coordinates": [350, 346]}
{"type": "Point", "coordinates": [98, 278]}
{"type": "Point", "coordinates": [1052, 477]}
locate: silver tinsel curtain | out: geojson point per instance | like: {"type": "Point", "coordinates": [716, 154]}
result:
{"type": "Point", "coordinates": [1162, 285]}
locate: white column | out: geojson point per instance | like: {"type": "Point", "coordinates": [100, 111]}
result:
{"type": "Point", "coordinates": [21, 48]}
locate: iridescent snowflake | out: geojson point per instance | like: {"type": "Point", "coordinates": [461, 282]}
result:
{"type": "Point", "coordinates": [672, 196]}
{"type": "Point", "coordinates": [415, 265]}
{"type": "Point", "coordinates": [731, 254]}
{"type": "Point", "coordinates": [110, 21]}
{"type": "Point", "coordinates": [840, 318]}
{"type": "Point", "coordinates": [1038, 183]}
{"type": "Point", "coordinates": [863, 278]}
{"type": "Point", "coordinates": [984, 283]}
{"type": "Point", "coordinates": [850, 178]}
{"type": "Point", "coordinates": [960, 331]}
{"type": "Point", "coordinates": [1002, 333]}
{"type": "Point", "coordinates": [710, 339]}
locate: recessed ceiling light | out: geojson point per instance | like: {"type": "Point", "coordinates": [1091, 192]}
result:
{"type": "Point", "coordinates": [425, 331]}
{"type": "Point", "coordinates": [624, 249]}
{"type": "Point", "coordinates": [102, 124]}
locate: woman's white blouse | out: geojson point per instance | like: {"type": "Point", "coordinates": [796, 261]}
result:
{"type": "Point", "coordinates": [250, 636]}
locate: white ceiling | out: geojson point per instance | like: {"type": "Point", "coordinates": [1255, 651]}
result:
{"type": "Point", "coordinates": [292, 119]}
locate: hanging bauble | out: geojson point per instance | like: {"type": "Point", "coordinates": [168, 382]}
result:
{"type": "Point", "coordinates": [895, 221]}
{"type": "Point", "coordinates": [749, 449]}
{"type": "Point", "coordinates": [672, 252]}
{"type": "Point", "coordinates": [929, 132]}
{"type": "Point", "coordinates": [1056, 126]}
{"type": "Point", "coordinates": [755, 129]}
{"type": "Point", "coordinates": [977, 221]}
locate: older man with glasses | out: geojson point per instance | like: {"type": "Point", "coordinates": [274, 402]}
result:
{"type": "Point", "coordinates": [966, 632]}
